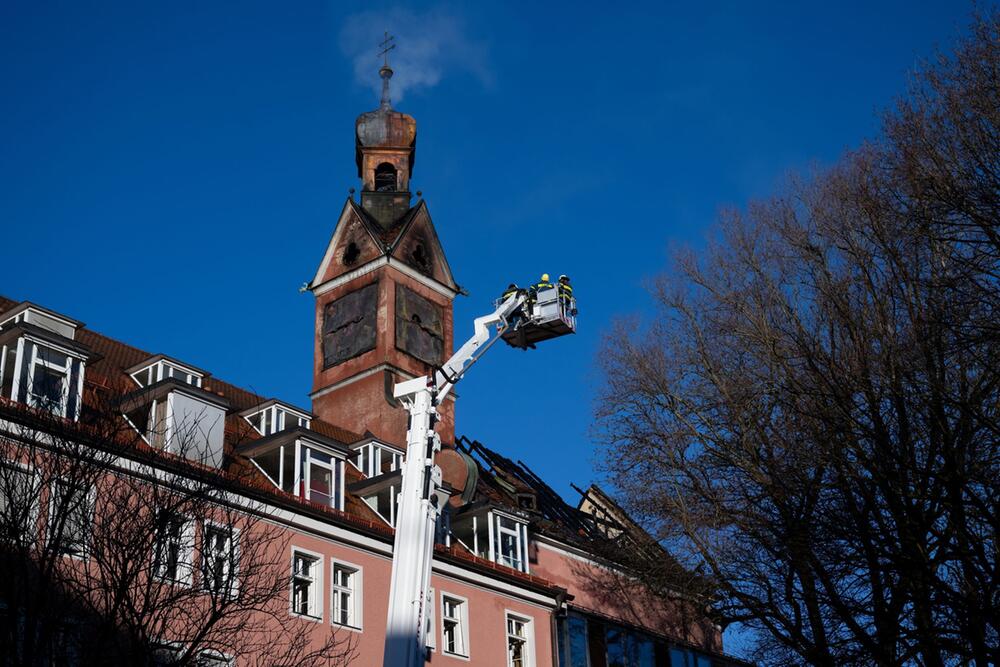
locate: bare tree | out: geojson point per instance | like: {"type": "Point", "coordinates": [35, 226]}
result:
{"type": "Point", "coordinates": [812, 420]}
{"type": "Point", "coordinates": [114, 552]}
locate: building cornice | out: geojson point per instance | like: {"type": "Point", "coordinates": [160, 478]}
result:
{"type": "Point", "coordinates": [378, 263]}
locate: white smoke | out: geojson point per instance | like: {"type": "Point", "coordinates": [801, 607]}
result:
{"type": "Point", "coordinates": [429, 46]}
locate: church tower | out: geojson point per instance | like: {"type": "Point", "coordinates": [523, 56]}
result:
{"type": "Point", "coordinates": [384, 289]}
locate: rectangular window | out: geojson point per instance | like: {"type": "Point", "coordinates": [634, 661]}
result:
{"type": "Point", "coordinates": [364, 459]}
{"type": "Point", "coordinates": [454, 626]}
{"type": "Point", "coordinates": [346, 595]}
{"type": "Point", "coordinates": [70, 516]}
{"type": "Point", "coordinates": [509, 545]}
{"type": "Point", "coordinates": [306, 573]}
{"type": "Point", "coordinates": [375, 460]}
{"type": "Point", "coordinates": [321, 477]}
{"type": "Point", "coordinates": [617, 645]}
{"type": "Point", "coordinates": [576, 644]}
{"type": "Point", "coordinates": [172, 552]}
{"type": "Point", "coordinates": [52, 380]}
{"type": "Point", "coordinates": [17, 502]}
{"type": "Point", "coordinates": [681, 657]}
{"type": "Point", "coordinates": [219, 564]}
{"type": "Point", "coordinates": [520, 652]}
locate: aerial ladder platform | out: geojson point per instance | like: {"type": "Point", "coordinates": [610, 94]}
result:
{"type": "Point", "coordinates": [522, 320]}
{"type": "Point", "coordinates": [547, 314]}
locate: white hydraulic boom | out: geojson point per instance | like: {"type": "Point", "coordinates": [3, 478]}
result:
{"type": "Point", "coordinates": [420, 497]}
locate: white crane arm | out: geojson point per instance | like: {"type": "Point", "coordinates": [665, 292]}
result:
{"type": "Point", "coordinates": [419, 495]}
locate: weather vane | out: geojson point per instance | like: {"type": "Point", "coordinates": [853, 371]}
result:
{"type": "Point", "coordinates": [387, 45]}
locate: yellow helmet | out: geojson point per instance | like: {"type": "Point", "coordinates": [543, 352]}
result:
{"type": "Point", "coordinates": [545, 277]}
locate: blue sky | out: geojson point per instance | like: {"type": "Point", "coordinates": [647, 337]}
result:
{"type": "Point", "coordinates": [172, 171]}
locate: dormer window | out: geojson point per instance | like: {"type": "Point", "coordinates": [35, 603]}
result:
{"type": "Point", "coordinates": [376, 459]}
{"type": "Point", "coordinates": [49, 378]}
{"type": "Point", "coordinates": [302, 463]}
{"type": "Point", "coordinates": [527, 501]}
{"type": "Point", "coordinates": [160, 368]}
{"type": "Point", "coordinates": [36, 316]}
{"type": "Point", "coordinates": [179, 418]}
{"type": "Point", "coordinates": [274, 416]}
{"type": "Point", "coordinates": [50, 375]}
{"type": "Point", "coordinates": [41, 364]}
{"type": "Point", "coordinates": [493, 533]}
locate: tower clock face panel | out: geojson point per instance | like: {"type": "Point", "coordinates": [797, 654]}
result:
{"type": "Point", "coordinates": [349, 325]}
{"type": "Point", "coordinates": [419, 326]}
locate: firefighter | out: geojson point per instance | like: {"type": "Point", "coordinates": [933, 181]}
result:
{"type": "Point", "coordinates": [565, 294]}
{"type": "Point", "coordinates": [517, 315]}
{"type": "Point", "coordinates": [533, 292]}
{"type": "Point", "coordinates": [542, 284]}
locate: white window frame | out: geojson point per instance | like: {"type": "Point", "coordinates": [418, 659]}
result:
{"type": "Point", "coordinates": [232, 557]}
{"type": "Point", "coordinates": [336, 468]}
{"type": "Point", "coordinates": [519, 532]}
{"type": "Point", "coordinates": [275, 418]}
{"type": "Point", "coordinates": [89, 507]}
{"type": "Point", "coordinates": [372, 502]}
{"type": "Point", "coordinates": [369, 459]}
{"type": "Point", "coordinates": [185, 556]}
{"type": "Point", "coordinates": [173, 650]}
{"type": "Point", "coordinates": [528, 637]}
{"type": "Point", "coordinates": [66, 371]}
{"type": "Point", "coordinates": [354, 589]}
{"type": "Point", "coordinates": [316, 598]}
{"type": "Point", "coordinates": [461, 623]}
{"type": "Point", "coordinates": [162, 369]}
{"type": "Point", "coordinates": [166, 650]}
{"type": "Point", "coordinates": [217, 657]}
{"type": "Point", "coordinates": [32, 478]}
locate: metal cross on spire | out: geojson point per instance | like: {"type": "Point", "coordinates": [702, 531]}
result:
{"type": "Point", "coordinates": [386, 45]}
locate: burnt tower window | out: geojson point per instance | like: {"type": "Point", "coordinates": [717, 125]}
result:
{"type": "Point", "coordinates": [419, 326]}
{"type": "Point", "coordinates": [420, 259]}
{"type": "Point", "coordinates": [351, 253]}
{"type": "Point", "coordinates": [385, 178]}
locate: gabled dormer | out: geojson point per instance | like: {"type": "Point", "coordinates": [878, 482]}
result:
{"type": "Point", "coordinates": [381, 464]}
{"type": "Point", "coordinates": [497, 533]}
{"type": "Point", "coordinates": [273, 416]}
{"type": "Point", "coordinates": [41, 363]}
{"type": "Point", "coordinates": [303, 463]}
{"type": "Point", "coordinates": [162, 367]}
{"type": "Point", "coordinates": [171, 411]}
{"type": "Point", "coordinates": [374, 457]}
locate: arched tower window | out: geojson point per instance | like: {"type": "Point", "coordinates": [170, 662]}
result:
{"type": "Point", "coordinates": [385, 178]}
